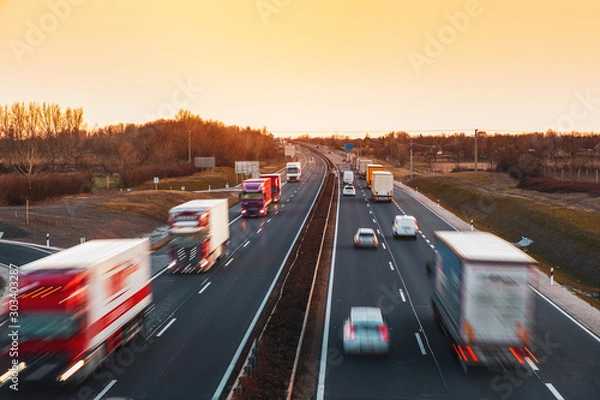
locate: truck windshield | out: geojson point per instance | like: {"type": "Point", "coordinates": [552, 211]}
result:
{"type": "Point", "coordinates": [292, 170]}
{"type": "Point", "coordinates": [47, 325]}
{"type": "Point", "coordinates": [252, 196]}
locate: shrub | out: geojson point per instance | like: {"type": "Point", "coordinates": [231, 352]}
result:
{"type": "Point", "coordinates": [15, 189]}
{"type": "Point", "coordinates": [131, 177]}
{"type": "Point", "coordinates": [550, 185]}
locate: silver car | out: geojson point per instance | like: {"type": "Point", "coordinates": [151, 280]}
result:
{"type": "Point", "coordinates": [365, 237]}
{"type": "Point", "coordinates": [365, 332]}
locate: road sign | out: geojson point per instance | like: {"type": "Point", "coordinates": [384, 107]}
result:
{"type": "Point", "coordinates": [348, 147]}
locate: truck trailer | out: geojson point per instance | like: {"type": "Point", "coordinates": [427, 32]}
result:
{"type": "Point", "coordinates": [275, 186]}
{"type": "Point", "coordinates": [256, 197]}
{"type": "Point", "coordinates": [199, 233]}
{"type": "Point", "coordinates": [75, 308]}
{"type": "Point", "coordinates": [293, 171]}
{"type": "Point", "coordinates": [370, 169]}
{"type": "Point", "coordinates": [382, 186]}
{"type": "Point", "coordinates": [362, 167]}
{"type": "Point", "coordinates": [482, 299]}
{"type": "Point", "coordinates": [348, 177]}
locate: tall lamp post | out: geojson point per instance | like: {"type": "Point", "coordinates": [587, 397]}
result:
{"type": "Point", "coordinates": [475, 165]}
{"type": "Point", "coordinates": [411, 161]}
{"type": "Point", "coordinates": [189, 145]}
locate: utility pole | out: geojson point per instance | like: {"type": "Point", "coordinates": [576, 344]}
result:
{"type": "Point", "coordinates": [475, 165]}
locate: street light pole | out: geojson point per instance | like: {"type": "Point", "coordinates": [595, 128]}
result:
{"type": "Point", "coordinates": [411, 161]}
{"type": "Point", "coordinates": [189, 145]}
{"type": "Point", "coordinates": [475, 165]}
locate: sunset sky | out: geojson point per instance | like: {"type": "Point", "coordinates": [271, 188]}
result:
{"type": "Point", "coordinates": [311, 66]}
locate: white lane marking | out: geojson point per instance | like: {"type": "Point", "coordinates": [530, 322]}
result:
{"type": "Point", "coordinates": [428, 241]}
{"type": "Point", "coordinates": [379, 233]}
{"type": "Point", "coordinates": [158, 274]}
{"type": "Point", "coordinates": [383, 245]}
{"type": "Point", "coordinates": [374, 221]}
{"type": "Point", "coordinates": [277, 212]}
{"type": "Point", "coordinates": [106, 389]}
{"type": "Point", "coordinates": [229, 262]}
{"type": "Point", "coordinates": [420, 343]}
{"type": "Point", "coordinates": [246, 244]}
{"type": "Point", "coordinates": [259, 229]}
{"type": "Point", "coordinates": [402, 295]}
{"type": "Point", "coordinates": [531, 364]}
{"type": "Point", "coordinates": [204, 288]}
{"type": "Point", "coordinates": [159, 334]}
{"type": "Point", "coordinates": [269, 220]}
{"type": "Point", "coordinates": [592, 334]}
{"type": "Point", "coordinates": [391, 266]}
{"type": "Point", "coordinates": [554, 391]}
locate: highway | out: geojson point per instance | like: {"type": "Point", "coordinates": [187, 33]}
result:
{"type": "Point", "coordinates": [421, 364]}
{"type": "Point", "coordinates": [199, 322]}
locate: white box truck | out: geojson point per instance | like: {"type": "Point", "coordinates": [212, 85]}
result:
{"type": "Point", "coordinates": [348, 178]}
{"type": "Point", "coordinates": [199, 233]}
{"type": "Point", "coordinates": [76, 307]}
{"type": "Point", "coordinates": [482, 298]}
{"type": "Point", "coordinates": [382, 186]}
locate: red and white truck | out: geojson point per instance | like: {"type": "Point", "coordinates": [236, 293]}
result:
{"type": "Point", "coordinates": [256, 197]}
{"type": "Point", "coordinates": [76, 307]}
{"type": "Point", "coordinates": [275, 186]}
{"type": "Point", "coordinates": [199, 233]}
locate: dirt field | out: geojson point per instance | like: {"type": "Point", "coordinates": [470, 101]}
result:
{"type": "Point", "coordinates": [101, 215]}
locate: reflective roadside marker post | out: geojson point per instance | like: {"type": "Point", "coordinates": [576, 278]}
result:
{"type": "Point", "coordinates": [47, 239]}
{"type": "Point", "coordinates": [471, 225]}
{"type": "Point", "coordinates": [551, 276]}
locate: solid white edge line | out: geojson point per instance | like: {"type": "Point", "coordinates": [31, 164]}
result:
{"type": "Point", "coordinates": [420, 342]}
{"type": "Point", "coordinates": [240, 348]}
{"type": "Point", "coordinates": [159, 334]}
{"type": "Point", "coordinates": [320, 395]}
{"type": "Point", "coordinates": [554, 391]}
{"type": "Point", "coordinates": [229, 262]}
{"type": "Point", "coordinates": [106, 389]}
{"type": "Point", "coordinates": [592, 334]}
{"type": "Point", "coordinates": [204, 288]}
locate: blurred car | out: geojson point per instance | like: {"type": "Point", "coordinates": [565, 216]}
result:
{"type": "Point", "coordinates": [366, 332]}
{"type": "Point", "coordinates": [349, 190]}
{"type": "Point", "coordinates": [405, 225]}
{"type": "Point", "coordinates": [365, 237]}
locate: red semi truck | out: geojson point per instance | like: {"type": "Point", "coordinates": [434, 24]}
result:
{"type": "Point", "coordinates": [256, 197]}
{"type": "Point", "coordinates": [76, 307]}
{"type": "Point", "coordinates": [199, 233]}
{"type": "Point", "coordinates": [275, 186]}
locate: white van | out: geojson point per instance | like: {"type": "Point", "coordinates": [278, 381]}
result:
{"type": "Point", "coordinates": [348, 178]}
{"type": "Point", "coordinates": [405, 225]}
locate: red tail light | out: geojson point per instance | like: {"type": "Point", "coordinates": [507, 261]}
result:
{"type": "Point", "coordinates": [472, 354]}
{"type": "Point", "coordinates": [349, 332]}
{"type": "Point", "coordinates": [517, 356]}
{"type": "Point", "coordinates": [383, 333]}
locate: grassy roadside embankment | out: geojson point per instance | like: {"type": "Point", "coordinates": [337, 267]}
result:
{"type": "Point", "coordinates": [565, 238]}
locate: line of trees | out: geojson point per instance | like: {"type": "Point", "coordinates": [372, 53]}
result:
{"type": "Point", "coordinates": [38, 139]}
{"type": "Point", "coordinates": [528, 151]}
